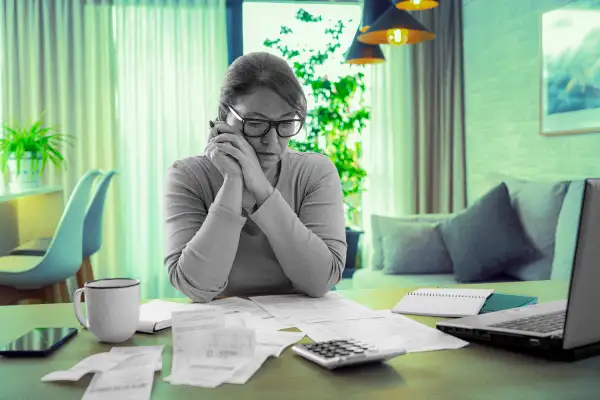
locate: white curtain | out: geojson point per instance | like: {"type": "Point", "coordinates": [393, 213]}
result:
{"type": "Point", "coordinates": [388, 148]}
{"type": "Point", "coordinates": [171, 60]}
{"type": "Point", "coordinates": [135, 83]}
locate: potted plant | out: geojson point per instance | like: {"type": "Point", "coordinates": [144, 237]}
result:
{"type": "Point", "coordinates": [26, 151]}
{"type": "Point", "coordinates": [336, 121]}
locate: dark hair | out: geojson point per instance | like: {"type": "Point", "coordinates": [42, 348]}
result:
{"type": "Point", "coordinates": [257, 69]}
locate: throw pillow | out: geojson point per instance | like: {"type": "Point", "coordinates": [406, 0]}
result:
{"type": "Point", "coordinates": [486, 237]}
{"type": "Point", "coordinates": [415, 248]}
{"type": "Point", "coordinates": [538, 205]}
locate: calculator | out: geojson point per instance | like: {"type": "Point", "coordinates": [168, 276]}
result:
{"type": "Point", "coordinates": [341, 353]}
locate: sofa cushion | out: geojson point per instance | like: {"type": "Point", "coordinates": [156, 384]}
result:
{"type": "Point", "coordinates": [413, 247]}
{"type": "Point", "coordinates": [486, 237]}
{"type": "Point", "coordinates": [381, 223]}
{"type": "Point", "coordinates": [538, 205]}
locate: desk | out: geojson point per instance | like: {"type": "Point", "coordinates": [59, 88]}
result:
{"type": "Point", "coordinates": [28, 214]}
{"type": "Point", "coordinates": [474, 372]}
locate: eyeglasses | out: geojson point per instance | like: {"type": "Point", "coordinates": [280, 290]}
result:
{"type": "Point", "coordinates": [259, 127]}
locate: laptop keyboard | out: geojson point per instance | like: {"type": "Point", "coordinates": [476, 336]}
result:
{"type": "Point", "coordinates": [542, 323]}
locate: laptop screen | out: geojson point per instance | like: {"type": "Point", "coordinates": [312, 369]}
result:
{"type": "Point", "coordinates": [578, 244]}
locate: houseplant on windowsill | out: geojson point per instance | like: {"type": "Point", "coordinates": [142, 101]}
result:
{"type": "Point", "coordinates": [335, 122]}
{"type": "Point", "coordinates": [26, 151]}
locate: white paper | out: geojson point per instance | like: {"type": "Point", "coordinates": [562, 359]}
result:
{"type": "Point", "coordinates": [274, 343]}
{"type": "Point", "coordinates": [296, 309]}
{"type": "Point", "coordinates": [386, 331]}
{"type": "Point", "coordinates": [259, 318]}
{"type": "Point", "coordinates": [133, 383]}
{"type": "Point", "coordinates": [243, 374]}
{"type": "Point", "coordinates": [205, 352]}
{"type": "Point", "coordinates": [141, 356]}
{"type": "Point", "coordinates": [94, 363]}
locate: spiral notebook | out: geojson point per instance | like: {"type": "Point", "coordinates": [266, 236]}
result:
{"type": "Point", "coordinates": [437, 302]}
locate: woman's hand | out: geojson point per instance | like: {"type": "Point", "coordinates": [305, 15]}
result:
{"type": "Point", "coordinates": [227, 165]}
{"type": "Point", "coordinates": [236, 146]}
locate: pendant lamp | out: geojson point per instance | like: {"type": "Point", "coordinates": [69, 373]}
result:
{"type": "Point", "coordinates": [373, 9]}
{"type": "Point", "coordinates": [416, 5]}
{"type": "Point", "coordinates": [361, 53]}
{"type": "Point", "coordinates": [396, 27]}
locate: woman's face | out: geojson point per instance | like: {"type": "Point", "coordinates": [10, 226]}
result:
{"type": "Point", "coordinates": [263, 103]}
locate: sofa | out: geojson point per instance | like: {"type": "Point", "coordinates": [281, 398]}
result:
{"type": "Point", "coordinates": [520, 230]}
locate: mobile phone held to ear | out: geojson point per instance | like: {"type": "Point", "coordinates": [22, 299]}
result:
{"type": "Point", "coordinates": [38, 342]}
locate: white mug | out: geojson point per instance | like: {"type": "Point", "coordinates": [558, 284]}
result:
{"type": "Point", "coordinates": [112, 308]}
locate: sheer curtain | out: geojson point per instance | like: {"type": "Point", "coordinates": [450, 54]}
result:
{"type": "Point", "coordinates": [135, 82]}
{"type": "Point", "coordinates": [171, 59]}
{"type": "Point", "coordinates": [388, 148]}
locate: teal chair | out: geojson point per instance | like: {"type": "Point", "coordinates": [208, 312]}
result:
{"type": "Point", "coordinates": [62, 259]}
{"type": "Point", "coordinates": [92, 232]}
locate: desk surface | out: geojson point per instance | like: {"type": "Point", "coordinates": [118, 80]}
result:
{"type": "Point", "coordinates": [474, 372]}
{"type": "Point", "coordinates": [6, 194]}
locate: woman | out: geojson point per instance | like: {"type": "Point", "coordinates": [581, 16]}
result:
{"type": "Point", "coordinates": [251, 216]}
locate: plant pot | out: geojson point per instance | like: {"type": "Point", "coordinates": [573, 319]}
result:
{"type": "Point", "coordinates": [29, 175]}
{"type": "Point", "coordinates": [352, 239]}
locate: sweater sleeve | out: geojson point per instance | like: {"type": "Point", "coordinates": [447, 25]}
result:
{"type": "Point", "coordinates": [311, 246]}
{"type": "Point", "coordinates": [201, 243]}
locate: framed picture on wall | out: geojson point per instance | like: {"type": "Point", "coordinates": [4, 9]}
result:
{"type": "Point", "coordinates": [570, 75]}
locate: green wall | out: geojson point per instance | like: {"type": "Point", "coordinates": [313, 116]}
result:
{"type": "Point", "coordinates": [502, 99]}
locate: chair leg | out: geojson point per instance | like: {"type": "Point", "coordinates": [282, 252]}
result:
{"type": "Point", "coordinates": [85, 273]}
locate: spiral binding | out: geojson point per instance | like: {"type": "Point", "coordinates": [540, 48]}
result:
{"type": "Point", "coordinates": [413, 293]}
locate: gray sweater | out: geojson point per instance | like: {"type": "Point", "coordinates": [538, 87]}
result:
{"type": "Point", "coordinates": [295, 242]}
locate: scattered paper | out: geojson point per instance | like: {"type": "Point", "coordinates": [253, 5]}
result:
{"type": "Point", "coordinates": [122, 383]}
{"type": "Point", "coordinates": [258, 318]}
{"type": "Point", "coordinates": [141, 356]}
{"type": "Point", "coordinates": [205, 352]}
{"type": "Point", "coordinates": [297, 309]}
{"type": "Point", "coordinates": [386, 330]}
{"type": "Point", "coordinates": [94, 363]}
{"type": "Point", "coordinates": [243, 374]}
{"type": "Point", "coordinates": [274, 343]}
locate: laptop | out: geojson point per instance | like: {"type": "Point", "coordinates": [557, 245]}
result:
{"type": "Point", "coordinates": [567, 329]}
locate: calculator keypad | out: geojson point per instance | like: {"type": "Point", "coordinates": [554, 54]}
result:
{"type": "Point", "coordinates": [340, 348]}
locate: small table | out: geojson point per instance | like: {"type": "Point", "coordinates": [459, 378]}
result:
{"type": "Point", "coordinates": [28, 214]}
{"type": "Point", "coordinates": [474, 372]}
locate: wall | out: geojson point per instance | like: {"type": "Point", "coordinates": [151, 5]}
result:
{"type": "Point", "coordinates": [502, 83]}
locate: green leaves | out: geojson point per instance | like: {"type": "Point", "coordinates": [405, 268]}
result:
{"type": "Point", "coordinates": [339, 112]}
{"type": "Point", "coordinates": [42, 142]}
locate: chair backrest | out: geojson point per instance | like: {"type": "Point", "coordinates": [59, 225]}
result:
{"type": "Point", "coordinates": [64, 255]}
{"type": "Point", "coordinates": [92, 226]}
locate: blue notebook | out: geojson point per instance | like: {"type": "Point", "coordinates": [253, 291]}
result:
{"type": "Point", "coordinates": [502, 301]}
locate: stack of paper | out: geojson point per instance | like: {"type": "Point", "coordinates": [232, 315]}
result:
{"type": "Point", "coordinates": [155, 315]}
{"type": "Point", "coordinates": [386, 330]}
{"type": "Point", "coordinates": [297, 309]}
{"type": "Point", "coordinates": [211, 348]}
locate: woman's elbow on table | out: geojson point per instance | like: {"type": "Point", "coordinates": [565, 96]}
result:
{"type": "Point", "coordinates": [183, 284]}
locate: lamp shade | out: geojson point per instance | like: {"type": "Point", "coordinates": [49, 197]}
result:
{"type": "Point", "coordinates": [373, 9]}
{"type": "Point", "coordinates": [361, 53]}
{"type": "Point", "coordinates": [416, 5]}
{"type": "Point", "coordinates": [396, 27]}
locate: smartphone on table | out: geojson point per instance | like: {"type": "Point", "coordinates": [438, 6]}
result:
{"type": "Point", "coordinates": [38, 342]}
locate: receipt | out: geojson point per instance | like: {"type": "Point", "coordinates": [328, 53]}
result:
{"type": "Point", "coordinates": [122, 383]}
{"type": "Point", "coordinates": [205, 352]}
{"type": "Point", "coordinates": [94, 363]}
{"type": "Point", "coordinates": [258, 318]}
{"type": "Point", "coordinates": [141, 356]}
